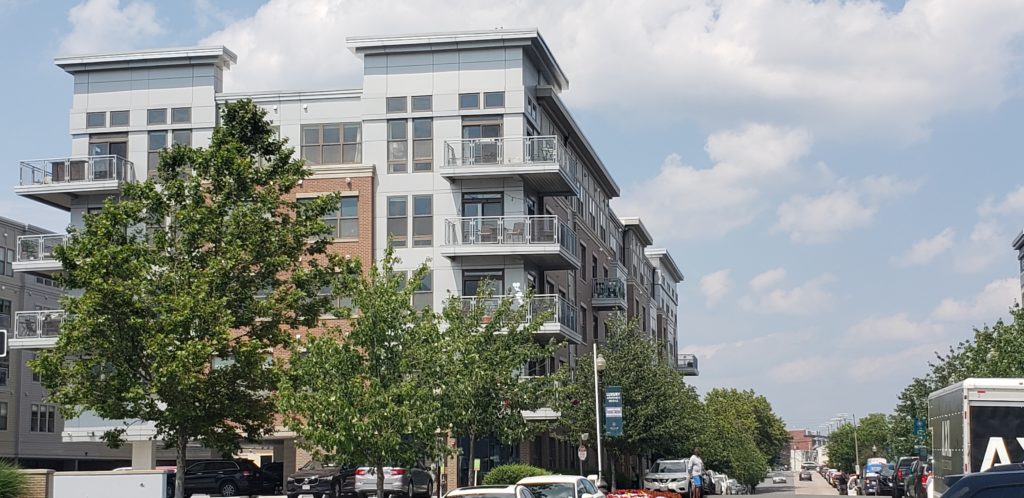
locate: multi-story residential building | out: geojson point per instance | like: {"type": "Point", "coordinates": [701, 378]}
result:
{"type": "Point", "coordinates": [667, 277]}
{"type": "Point", "coordinates": [1018, 245]}
{"type": "Point", "coordinates": [457, 148]}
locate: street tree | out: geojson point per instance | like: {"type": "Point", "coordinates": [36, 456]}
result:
{"type": "Point", "coordinates": [870, 438]}
{"type": "Point", "coordinates": [489, 340]}
{"type": "Point", "coordinates": [371, 394]}
{"type": "Point", "coordinates": [742, 434]}
{"type": "Point", "coordinates": [167, 324]}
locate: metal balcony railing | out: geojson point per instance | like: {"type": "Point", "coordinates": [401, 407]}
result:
{"type": "Point", "coordinates": [510, 230]}
{"type": "Point", "coordinates": [38, 248]}
{"type": "Point", "coordinates": [37, 324]}
{"type": "Point", "coordinates": [609, 288]}
{"type": "Point", "coordinates": [77, 169]}
{"type": "Point", "coordinates": [511, 151]}
{"type": "Point", "coordinates": [560, 309]}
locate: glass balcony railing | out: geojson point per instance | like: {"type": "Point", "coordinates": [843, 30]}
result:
{"type": "Point", "coordinates": [610, 289]}
{"type": "Point", "coordinates": [79, 169]}
{"type": "Point", "coordinates": [560, 310]}
{"type": "Point", "coordinates": [509, 151]}
{"type": "Point", "coordinates": [37, 324]}
{"type": "Point", "coordinates": [38, 248]}
{"type": "Point", "coordinates": [510, 230]}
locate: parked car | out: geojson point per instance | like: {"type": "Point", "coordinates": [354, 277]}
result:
{"type": "Point", "coordinates": [735, 488]}
{"type": "Point", "coordinates": [806, 475]}
{"type": "Point", "coordinates": [916, 479]}
{"type": "Point", "coordinates": [903, 466]}
{"type": "Point", "coordinates": [224, 477]}
{"type": "Point", "coordinates": [885, 479]}
{"type": "Point", "coordinates": [322, 480]}
{"type": "Point", "coordinates": [986, 484]}
{"type": "Point", "coordinates": [668, 475]}
{"type": "Point", "coordinates": [513, 491]}
{"type": "Point", "coordinates": [778, 479]}
{"type": "Point", "coordinates": [707, 484]}
{"type": "Point", "coordinates": [561, 486]}
{"type": "Point", "coordinates": [274, 472]}
{"type": "Point", "coordinates": [401, 481]}
{"type": "Point", "coordinates": [721, 482]}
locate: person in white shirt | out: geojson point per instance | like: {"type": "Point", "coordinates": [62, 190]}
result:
{"type": "Point", "coordinates": [696, 469]}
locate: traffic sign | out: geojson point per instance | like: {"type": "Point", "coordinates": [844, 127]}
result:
{"type": "Point", "coordinates": [919, 427]}
{"type": "Point", "coordinates": [582, 452]}
{"type": "Point", "coordinates": [476, 465]}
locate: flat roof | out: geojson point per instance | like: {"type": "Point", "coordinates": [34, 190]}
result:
{"type": "Point", "coordinates": [1018, 243]}
{"type": "Point", "coordinates": [28, 227]}
{"type": "Point", "coordinates": [262, 97]}
{"type": "Point", "coordinates": [634, 222]}
{"type": "Point", "coordinates": [548, 97]}
{"type": "Point", "coordinates": [665, 262]}
{"type": "Point", "coordinates": [218, 55]}
{"type": "Point", "coordinates": [455, 40]}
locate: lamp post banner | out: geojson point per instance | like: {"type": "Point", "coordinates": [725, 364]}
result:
{"type": "Point", "coordinates": [613, 411]}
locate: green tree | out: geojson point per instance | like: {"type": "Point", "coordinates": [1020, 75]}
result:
{"type": "Point", "coordinates": [373, 394]}
{"type": "Point", "coordinates": [741, 434]}
{"type": "Point", "coordinates": [169, 278]}
{"type": "Point", "coordinates": [489, 340]}
{"type": "Point", "coordinates": [870, 437]}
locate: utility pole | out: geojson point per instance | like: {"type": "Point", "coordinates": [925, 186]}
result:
{"type": "Point", "coordinates": [856, 445]}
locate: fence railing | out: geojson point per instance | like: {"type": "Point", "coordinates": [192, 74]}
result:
{"type": "Point", "coordinates": [560, 309]}
{"type": "Point", "coordinates": [39, 247]}
{"type": "Point", "coordinates": [37, 324]}
{"type": "Point", "coordinates": [609, 288]}
{"type": "Point", "coordinates": [77, 169]}
{"type": "Point", "coordinates": [509, 151]}
{"type": "Point", "coordinates": [510, 230]}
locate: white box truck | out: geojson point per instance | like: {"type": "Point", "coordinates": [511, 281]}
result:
{"type": "Point", "coordinates": [975, 425]}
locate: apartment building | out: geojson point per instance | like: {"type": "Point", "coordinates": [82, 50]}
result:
{"type": "Point", "coordinates": [457, 148]}
{"type": "Point", "coordinates": [1018, 245]}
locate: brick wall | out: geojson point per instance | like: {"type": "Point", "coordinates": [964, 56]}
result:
{"type": "Point", "coordinates": [39, 483]}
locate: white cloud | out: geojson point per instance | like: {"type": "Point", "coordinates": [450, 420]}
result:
{"type": "Point", "coordinates": [888, 363]}
{"type": "Point", "coordinates": [106, 25]}
{"type": "Point", "coordinates": [841, 68]}
{"type": "Point", "coordinates": [992, 303]}
{"type": "Point", "coordinates": [767, 279]}
{"type": "Point", "coordinates": [810, 297]}
{"type": "Point", "coordinates": [1012, 203]}
{"type": "Point", "coordinates": [686, 202]}
{"type": "Point", "coordinates": [898, 327]}
{"type": "Point", "coordinates": [986, 245]}
{"type": "Point", "coordinates": [849, 207]}
{"type": "Point", "coordinates": [715, 286]}
{"type": "Point", "coordinates": [799, 371]}
{"type": "Point", "coordinates": [925, 251]}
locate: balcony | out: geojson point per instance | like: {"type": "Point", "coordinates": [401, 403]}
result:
{"type": "Point", "coordinates": [35, 254]}
{"type": "Point", "coordinates": [36, 329]}
{"type": "Point", "coordinates": [688, 365]}
{"type": "Point", "coordinates": [59, 181]}
{"type": "Point", "coordinates": [609, 294]}
{"type": "Point", "coordinates": [543, 163]}
{"type": "Point", "coordinates": [543, 240]}
{"type": "Point", "coordinates": [560, 324]}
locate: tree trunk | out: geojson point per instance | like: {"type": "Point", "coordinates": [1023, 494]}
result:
{"type": "Point", "coordinates": [179, 469]}
{"type": "Point", "coordinates": [471, 455]}
{"type": "Point", "coordinates": [380, 480]}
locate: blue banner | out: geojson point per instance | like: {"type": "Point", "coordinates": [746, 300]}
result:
{"type": "Point", "coordinates": [613, 411]}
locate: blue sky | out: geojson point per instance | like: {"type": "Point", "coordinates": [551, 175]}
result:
{"type": "Point", "coordinates": [840, 181]}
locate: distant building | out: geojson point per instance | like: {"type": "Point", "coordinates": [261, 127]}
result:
{"type": "Point", "coordinates": [1018, 244]}
{"type": "Point", "coordinates": [804, 446]}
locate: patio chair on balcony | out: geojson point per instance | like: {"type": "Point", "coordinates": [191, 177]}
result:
{"type": "Point", "coordinates": [518, 233]}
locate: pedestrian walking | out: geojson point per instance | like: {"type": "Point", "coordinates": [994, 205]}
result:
{"type": "Point", "coordinates": [695, 467]}
{"type": "Point", "coordinates": [843, 480]}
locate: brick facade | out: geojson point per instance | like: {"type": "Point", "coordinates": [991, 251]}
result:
{"type": "Point", "coordinates": [39, 483]}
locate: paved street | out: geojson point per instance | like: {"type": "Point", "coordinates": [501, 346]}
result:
{"type": "Point", "coordinates": [816, 487]}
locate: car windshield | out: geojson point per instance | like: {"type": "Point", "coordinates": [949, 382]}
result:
{"type": "Point", "coordinates": [313, 465]}
{"type": "Point", "coordinates": [247, 465]}
{"type": "Point", "coordinates": [553, 490]}
{"type": "Point", "coordinates": [669, 468]}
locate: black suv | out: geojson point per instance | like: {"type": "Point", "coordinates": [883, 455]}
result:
{"type": "Point", "coordinates": [902, 471]}
{"type": "Point", "coordinates": [322, 480]}
{"type": "Point", "coordinates": [225, 477]}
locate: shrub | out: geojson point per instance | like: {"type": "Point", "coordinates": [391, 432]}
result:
{"type": "Point", "coordinates": [510, 474]}
{"type": "Point", "coordinates": [12, 481]}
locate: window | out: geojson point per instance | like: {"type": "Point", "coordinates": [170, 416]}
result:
{"type": "Point", "coordinates": [423, 296]}
{"type": "Point", "coordinates": [3, 262]}
{"type": "Point", "coordinates": [593, 267]}
{"type": "Point", "coordinates": [596, 323]}
{"type": "Point", "coordinates": [583, 257]}
{"type": "Point", "coordinates": [157, 142]}
{"type": "Point", "coordinates": [119, 118]}
{"type": "Point", "coordinates": [398, 146]}
{"type": "Point", "coordinates": [3, 415]}
{"type": "Point", "coordinates": [422, 103]}
{"type": "Point", "coordinates": [469, 101]}
{"type": "Point", "coordinates": [398, 222]}
{"type": "Point", "coordinates": [494, 99]}
{"type": "Point", "coordinates": [422, 144]}
{"type": "Point", "coordinates": [473, 280]}
{"type": "Point", "coordinates": [332, 143]}
{"type": "Point", "coordinates": [422, 220]}
{"type": "Point", "coordinates": [5, 368]}
{"type": "Point", "coordinates": [583, 319]}
{"type": "Point", "coordinates": [344, 221]}
{"type": "Point", "coordinates": [95, 119]}
{"type": "Point", "coordinates": [181, 115]}
{"type": "Point", "coordinates": [43, 418]}
{"type": "Point", "coordinates": [156, 116]}
{"type": "Point", "coordinates": [396, 104]}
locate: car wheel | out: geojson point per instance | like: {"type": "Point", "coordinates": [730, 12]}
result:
{"type": "Point", "coordinates": [228, 488]}
{"type": "Point", "coordinates": [410, 491]}
{"type": "Point", "coordinates": [336, 490]}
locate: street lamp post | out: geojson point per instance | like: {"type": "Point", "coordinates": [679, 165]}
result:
{"type": "Point", "coordinates": [599, 365]}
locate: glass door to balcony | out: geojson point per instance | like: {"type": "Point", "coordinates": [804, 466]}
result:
{"type": "Point", "coordinates": [103, 166]}
{"type": "Point", "coordinates": [481, 141]}
{"type": "Point", "coordinates": [482, 212]}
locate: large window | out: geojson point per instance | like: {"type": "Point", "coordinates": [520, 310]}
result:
{"type": "Point", "coordinates": [398, 220]}
{"type": "Point", "coordinates": [3, 261]}
{"type": "Point", "coordinates": [423, 296]}
{"type": "Point", "coordinates": [473, 280]}
{"type": "Point", "coordinates": [422, 144]}
{"type": "Point", "coordinates": [398, 146]}
{"type": "Point", "coordinates": [44, 418]}
{"type": "Point", "coordinates": [422, 220]}
{"type": "Point", "coordinates": [158, 140]}
{"type": "Point", "coordinates": [335, 143]}
{"type": "Point", "coordinates": [344, 220]}
{"type": "Point", "coordinates": [3, 415]}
